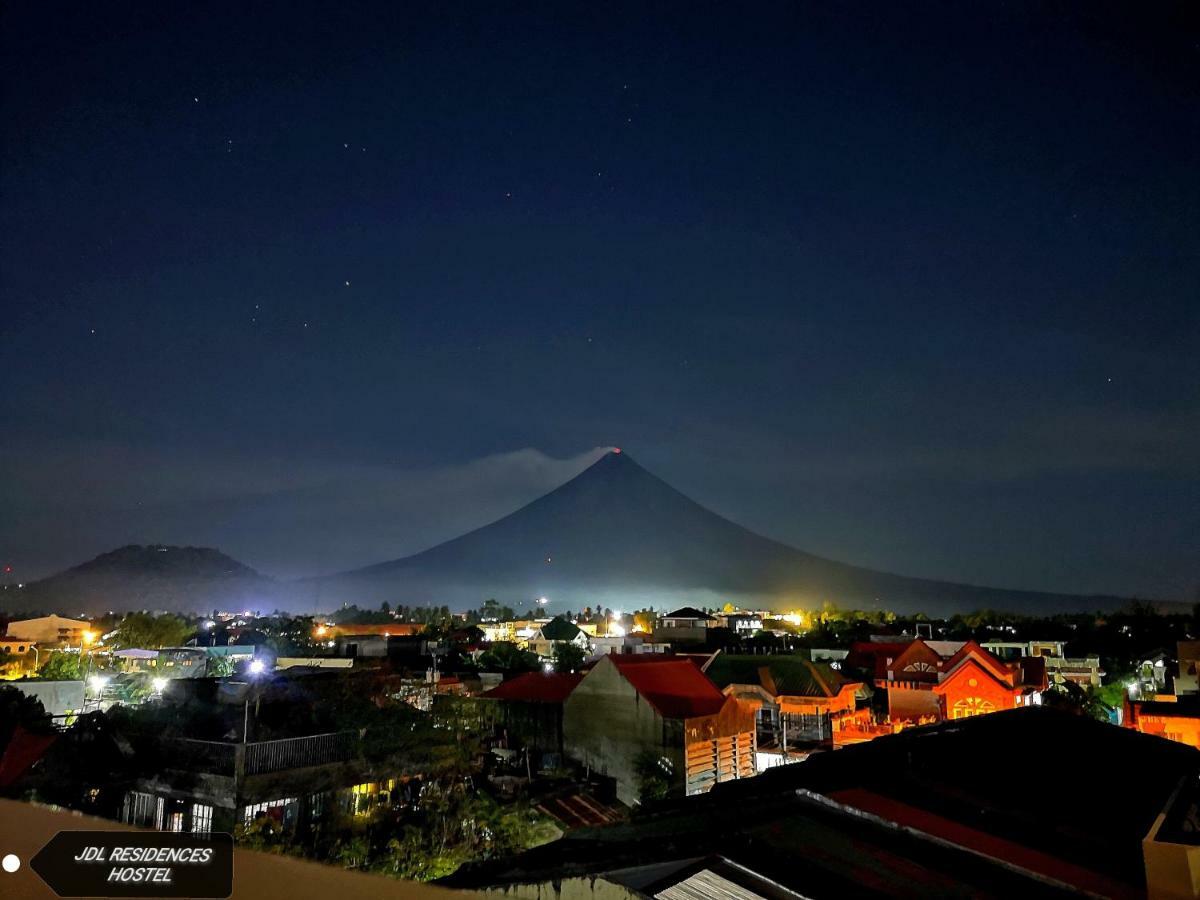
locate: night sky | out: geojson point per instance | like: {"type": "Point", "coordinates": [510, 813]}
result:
{"type": "Point", "coordinates": [912, 286]}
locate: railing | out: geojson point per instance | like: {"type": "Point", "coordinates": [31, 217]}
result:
{"type": "Point", "coordinates": [297, 753]}
{"type": "Point", "coordinates": [260, 757]}
{"type": "Point", "coordinates": [205, 757]}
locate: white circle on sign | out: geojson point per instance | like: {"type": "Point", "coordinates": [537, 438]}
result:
{"type": "Point", "coordinates": [11, 862]}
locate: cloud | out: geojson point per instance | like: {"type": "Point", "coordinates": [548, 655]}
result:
{"type": "Point", "coordinates": [285, 517]}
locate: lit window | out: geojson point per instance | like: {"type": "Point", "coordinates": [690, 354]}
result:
{"type": "Point", "coordinates": [201, 818]}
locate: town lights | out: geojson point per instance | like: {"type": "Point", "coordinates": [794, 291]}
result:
{"type": "Point", "coordinates": [159, 685]}
{"type": "Point", "coordinates": [322, 631]}
{"type": "Point", "coordinates": [257, 667]}
{"type": "Point", "coordinates": [97, 683]}
{"type": "Point", "coordinates": [88, 636]}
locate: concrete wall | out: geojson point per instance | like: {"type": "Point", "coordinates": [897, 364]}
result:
{"type": "Point", "coordinates": [607, 724]}
{"type": "Point", "coordinates": [59, 697]}
{"type": "Point", "coordinates": [909, 703]}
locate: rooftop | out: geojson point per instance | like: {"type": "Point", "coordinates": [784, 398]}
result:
{"type": "Point", "coordinates": [675, 687]}
{"type": "Point", "coordinates": [535, 687]}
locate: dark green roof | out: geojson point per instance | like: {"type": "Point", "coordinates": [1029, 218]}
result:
{"type": "Point", "coordinates": [793, 675]}
{"type": "Point", "coordinates": [559, 629]}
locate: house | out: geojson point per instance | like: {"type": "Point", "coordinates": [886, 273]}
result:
{"type": "Point", "coordinates": [14, 648]}
{"type": "Point", "coordinates": [526, 711]}
{"type": "Point", "coordinates": [1083, 670]}
{"type": "Point", "coordinates": [741, 623]}
{"type": "Point", "coordinates": [557, 631]}
{"type": "Point", "coordinates": [1166, 716]}
{"type": "Point", "coordinates": [1188, 654]}
{"type": "Point", "coordinates": [631, 708]}
{"type": "Point", "coordinates": [798, 701]}
{"type": "Point", "coordinates": [49, 631]}
{"type": "Point", "coordinates": [686, 625]}
{"type": "Point", "coordinates": [929, 681]}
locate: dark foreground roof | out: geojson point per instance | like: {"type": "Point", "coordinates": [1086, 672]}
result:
{"type": "Point", "coordinates": [1028, 803]}
{"type": "Point", "coordinates": [1082, 790]}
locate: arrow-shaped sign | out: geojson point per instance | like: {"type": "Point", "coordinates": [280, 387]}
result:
{"type": "Point", "coordinates": [136, 864]}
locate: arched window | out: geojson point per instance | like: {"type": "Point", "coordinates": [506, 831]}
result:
{"type": "Point", "coordinates": [971, 706]}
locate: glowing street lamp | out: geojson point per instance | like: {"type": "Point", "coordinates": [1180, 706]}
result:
{"type": "Point", "coordinates": [257, 667]}
{"type": "Point", "coordinates": [159, 685]}
{"type": "Point", "coordinates": [88, 636]}
{"type": "Point", "coordinates": [97, 683]}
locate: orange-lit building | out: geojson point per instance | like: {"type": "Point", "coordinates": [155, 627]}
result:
{"type": "Point", "coordinates": [930, 681]}
{"type": "Point", "coordinates": [1166, 716]}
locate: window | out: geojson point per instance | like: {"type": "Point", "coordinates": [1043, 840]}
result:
{"type": "Point", "coordinates": [971, 706]}
{"type": "Point", "coordinates": [139, 809]}
{"type": "Point", "coordinates": [273, 808]}
{"type": "Point", "coordinates": [201, 818]}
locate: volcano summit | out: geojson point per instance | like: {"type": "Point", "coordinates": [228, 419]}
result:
{"type": "Point", "coordinates": [617, 535]}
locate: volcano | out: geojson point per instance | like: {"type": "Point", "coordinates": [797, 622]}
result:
{"type": "Point", "coordinates": [618, 536]}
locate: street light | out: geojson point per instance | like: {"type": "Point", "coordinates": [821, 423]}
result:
{"type": "Point", "coordinates": [257, 667]}
{"type": "Point", "coordinates": [159, 685]}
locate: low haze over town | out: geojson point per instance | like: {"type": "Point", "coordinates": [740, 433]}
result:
{"type": "Point", "coordinates": [622, 452]}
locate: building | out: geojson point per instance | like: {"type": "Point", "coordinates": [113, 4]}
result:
{"type": "Point", "coordinates": [799, 702]}
{"type": "Point", "coordinates": [1166, 716]}
{"type": "Point", "coordinates": [526, 712]}
{"type": "Point", "coordinates": [1081, 670]}
{"type": "Point", "coordinates": [741, 623]}
{"type": "Point", "coordinates": [930, 681]}
{"type": "Point", "coordinates": [557, 631]}
{"type": "Point", "coordinates": [1188, 655]}
{"type": "Point", "coordinates": [14, 648]}
{"type": "Point", "coordinates": [50, 631]}
{"type": "Point", "coordinates": [630, 708]}
{"type": "Point", "coordinates": [685, 625]}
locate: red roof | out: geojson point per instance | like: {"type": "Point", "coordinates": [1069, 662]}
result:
{"type": "Point", "coordinates": [23, 750]}
{"type": "Point", "coordinates": [675, 687]}
{"type": "Point", "coordinates": [872, 655]}
{"type": "Point", "coordinates": [535, 687]}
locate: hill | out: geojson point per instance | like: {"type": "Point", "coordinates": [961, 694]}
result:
{"type": "Point", "coordinates": [155, 577]}
{"type": "Point", "coordinates": [619, 536]}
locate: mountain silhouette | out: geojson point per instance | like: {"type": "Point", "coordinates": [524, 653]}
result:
{"type": "Point", "coordinates": [154, 577]}
{"type": "Point", "coordinates": [617, 535]}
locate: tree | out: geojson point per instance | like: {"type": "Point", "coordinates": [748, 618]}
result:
{"type": "Point", "coordinates": [654, 774]}
{"type": "Point", "coordinates": [61, 667]}
{"type": "Point", "coordinates": [18, 709]}
{"type": "Point", "coordinates": [150, 632]}
{"type": "Point", "coordinates": [567, 658]}
{"type": "Point", "coordinates": [504, 656]}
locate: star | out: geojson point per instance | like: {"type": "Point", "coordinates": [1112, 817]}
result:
{"type": "Point", "coordinates": [195, 99]}
{"type": "Point", "coordinates": [347, 284]}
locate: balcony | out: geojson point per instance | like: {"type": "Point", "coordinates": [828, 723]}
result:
{"type": "Point", "coordinates": [238, 760]}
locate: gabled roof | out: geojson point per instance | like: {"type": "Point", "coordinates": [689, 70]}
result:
{"type": "Point", "coordinates": [675, 687]}
{"type": "Point", "coordinates": [689, 612]}
{"type": "Point", "coordinates": [987, 660]}
{"type": "Point", "coordinates": [781, 675]}
{"type": "Point", "coordinates": [559, 629]}
{"type": "Point", "coordinates": [535, 687]}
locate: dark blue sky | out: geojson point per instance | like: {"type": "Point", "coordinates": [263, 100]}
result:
{"type": "Point", "coordinates": [913, 286]}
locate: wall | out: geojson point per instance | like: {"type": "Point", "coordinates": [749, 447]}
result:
{"type": "Point", "coordinates": [606, 724]}
{"type": "Point", "coordinates": [58, 697]}
{"type": "Point", "coordinates": [912, 703]}
{"type": "Point", "coordinates": [971, 685]}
